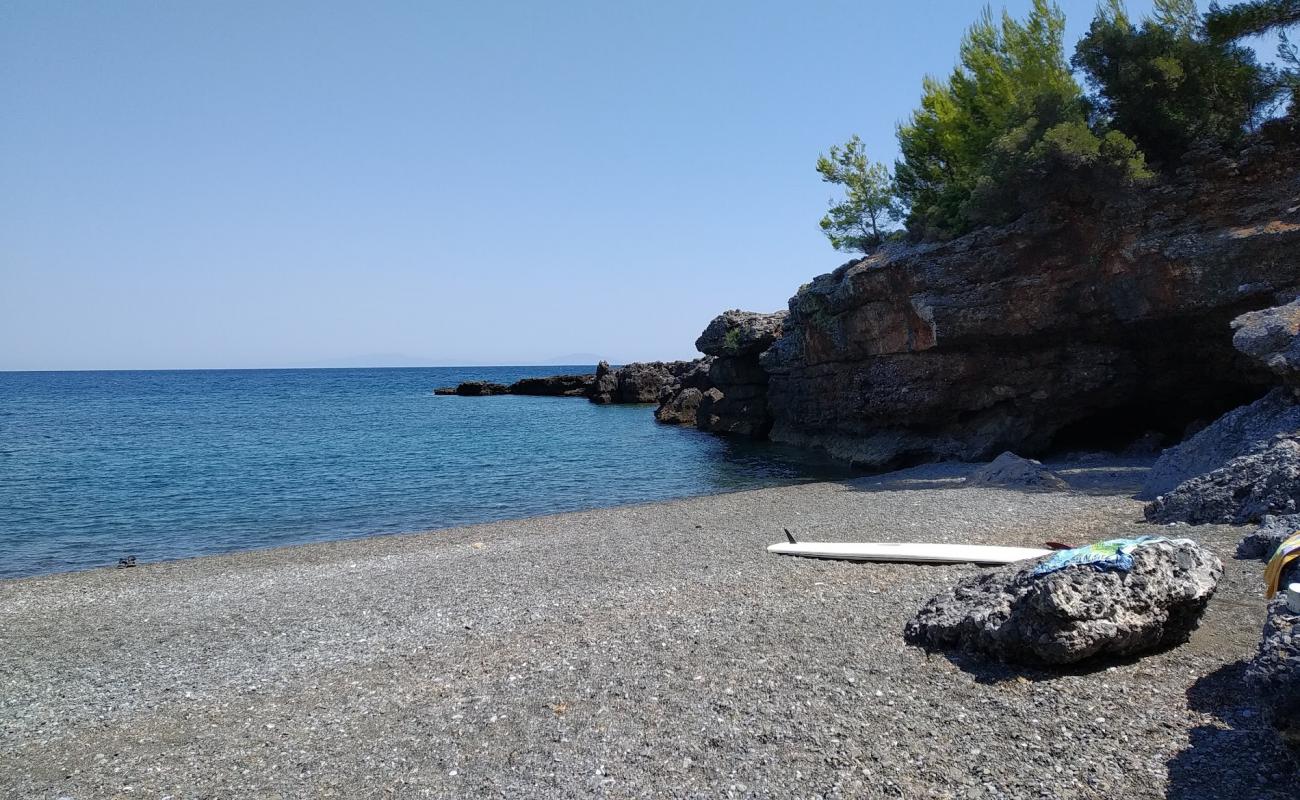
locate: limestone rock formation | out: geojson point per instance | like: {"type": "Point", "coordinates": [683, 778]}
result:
{"type": "Point", "coordinates": [639, 382]}
{"type": "Point", "coordinates": [1243, 431]}
{"type": "Point", "coordinates": [1013, 472]}
{"type": "Point", "coordinates": [1243, 490]}
{"type": "Point", "coordinates": [1272, 337]}
{"type": "Point", "coordinates": [734, 397]}
{"type": "Point", "coordinates": [605, 388]}
{"type": "Point", "coordinates": [1075, 613]}
{"type": "Point", "coordinates": [680, 407]}
{"type": "Point", "coordinates": [1073, 324]}
{"type": "Point", "coordinates": [737, 333]}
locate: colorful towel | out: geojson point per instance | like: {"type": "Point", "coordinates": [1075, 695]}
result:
{"type": "Point", "coordinates": [1286, 552]}
{"type": "Point", "coordinates": [1112, 554]}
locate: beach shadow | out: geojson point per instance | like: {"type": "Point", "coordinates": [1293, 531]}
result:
{"type": "Point", "coordinates": [1115, 475]}
{"type": "Point", "coordinates": [1238, 754]}
{"type": "Point", "coordinates": [988, 671]}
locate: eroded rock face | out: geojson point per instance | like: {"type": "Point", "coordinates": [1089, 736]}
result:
{"type": "Point", "coordinates": [1051, 331]}
{"type": "Point", "coordinates": [1243, 490]}
{"type": "Point", "coordinates": [638, 382]}
{"type": "Point", "coordinates": [733, 396]}
{"type": "Point", "coordinates": [1010, 471]}
{"type": "Point", "coordinates": [737, 333]}
{"type": "Point", "coordinates": [1274, 672]}
{"type": "Point", "coordinates": [1075, 613]}
{"type": "Point", "coordinates": [680, 407]}
{"type": "Point", "coordinates": [1272, 337]}
{"type": "Point", "coordinates": [1241, 432]}
{"type": "Point", "coordinates": [605, 388]}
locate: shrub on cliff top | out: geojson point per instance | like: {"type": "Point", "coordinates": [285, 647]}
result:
{"type": "Point", "coordinates": [1007, 124]}
{"type": "Point", "coordinates": [1167, 85]}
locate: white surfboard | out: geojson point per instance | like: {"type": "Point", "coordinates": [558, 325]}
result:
{"type": "Point", "coordinates": [918, 552]}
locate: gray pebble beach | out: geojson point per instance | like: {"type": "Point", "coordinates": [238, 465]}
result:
{"type": "Point", "coordinates": [643, 651]}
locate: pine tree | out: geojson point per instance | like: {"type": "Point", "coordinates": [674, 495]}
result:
{"type": "Point", "coordinates": [978, 149]}
{"type": "Point", "coordinates": [1165, 85]}
{"type": "Point", "coordinates": [861, 220]}
{"type": "Point", "coordinates": [1250, 19]}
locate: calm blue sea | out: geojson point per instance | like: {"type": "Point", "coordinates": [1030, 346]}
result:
{"type": "Point", "coordinates": [163, 465]}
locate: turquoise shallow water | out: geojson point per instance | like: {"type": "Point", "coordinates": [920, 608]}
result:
{"type": "Point", "coordinates": [161, 465]}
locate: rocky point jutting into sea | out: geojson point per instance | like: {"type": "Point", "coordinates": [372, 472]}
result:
{"type": "Point", "coordinates": [1074, 326]}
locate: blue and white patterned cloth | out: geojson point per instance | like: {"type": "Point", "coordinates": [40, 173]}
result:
{"type": "Point", "coordinates": [1112, 554]}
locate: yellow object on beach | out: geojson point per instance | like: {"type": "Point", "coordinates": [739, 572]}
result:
{"type": "Point", "coordinates": [1286, 552]}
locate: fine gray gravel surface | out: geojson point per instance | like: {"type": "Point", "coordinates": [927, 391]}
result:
{"type": "Point", "coordinates": [644, 651]}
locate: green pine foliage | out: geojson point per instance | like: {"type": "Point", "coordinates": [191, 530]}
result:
{"type": "Point", "coordinates": [1250, 19]}
{"type": "Point", "coordinates": [1012, 130]}
{"type": "Point", "coordinates": [1166, 85]}
{"type": "Point", "coordinates": [1009, 124]}
{"type": "Point", "coordinates": [863, 218]}
{"type": "Point", "coordinates": [1259, 17]}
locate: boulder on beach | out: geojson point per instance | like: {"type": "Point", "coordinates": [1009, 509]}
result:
{"type": "Point", "coordinates": [1264, 539]}
{"type": "Point", "coordinates": [1244, 490]}
{"type": "Point", "coordinates": [1013, 472]}
{"type": "Point", "coordinates": [1274, 672]}
{"type": "Point", "coordinates": [1077, 612]}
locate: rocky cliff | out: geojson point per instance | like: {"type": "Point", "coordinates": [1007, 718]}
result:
{"type": "Point", "coordinates": [1074, 326]}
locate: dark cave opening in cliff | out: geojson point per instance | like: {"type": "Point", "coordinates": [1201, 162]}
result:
{"type": "Point", "coordinates": [1157, 423]}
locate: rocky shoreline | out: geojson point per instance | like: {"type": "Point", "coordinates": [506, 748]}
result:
{"type": "Point", "coordinates": [1072, 327]}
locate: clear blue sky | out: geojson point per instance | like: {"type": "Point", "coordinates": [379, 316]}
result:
{"type": "Point", "coordinates": [230, 184]}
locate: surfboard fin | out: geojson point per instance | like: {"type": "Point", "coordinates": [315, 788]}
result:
{"type": "Point", "coordinates": [790, 536]}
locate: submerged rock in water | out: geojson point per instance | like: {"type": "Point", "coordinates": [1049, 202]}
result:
{"type": "Point", "coordinates": [474, 389]}
{"type": "Point", "coordinates": [1074, 613]}
{"type": "Point", "coordinates": [555, 386]}
{"type": "Point", "coordinates": [1274, 672]}
{"type": "Point", "coordinates": [1011, 471]}
{"type": "Point", "coordinates": [1244, 490]}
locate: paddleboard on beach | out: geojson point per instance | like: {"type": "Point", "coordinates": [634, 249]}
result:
{"type": "Point", "coordinates": [916, 552]}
